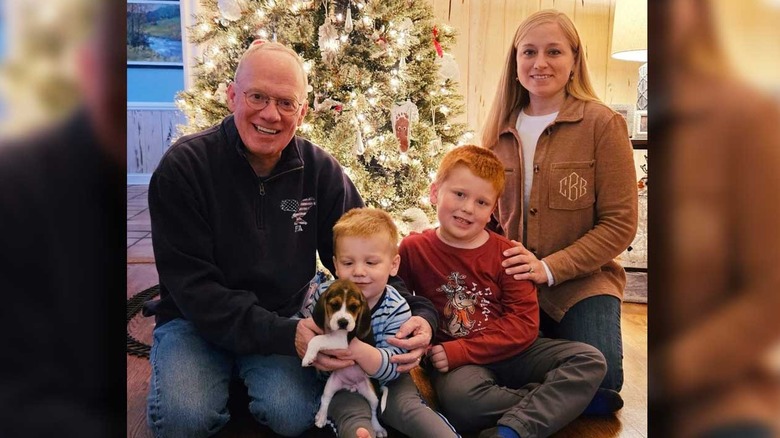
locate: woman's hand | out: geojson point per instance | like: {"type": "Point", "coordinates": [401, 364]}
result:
{"type": "Point", "coordinates": [522, 264]}
{"type": "Point", "coordinates": [421, 333]}
{"type": "Point", "coordinates": [438, 358]}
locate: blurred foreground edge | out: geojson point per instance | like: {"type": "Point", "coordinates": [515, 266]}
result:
{"type": "Point", "coordinates": [714, 285]}
{"type": "Point", "coordinates": [62, 257]}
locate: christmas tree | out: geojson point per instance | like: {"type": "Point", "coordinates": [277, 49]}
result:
{"type": "Point", "coordinates": [383, 89]}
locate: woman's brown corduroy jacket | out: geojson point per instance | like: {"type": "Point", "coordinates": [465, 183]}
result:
{"type": "Point", "coordinates": [583, 205]}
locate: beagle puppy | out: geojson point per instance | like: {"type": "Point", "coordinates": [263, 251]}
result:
{"type": "Point", "coordinates": [342, 312]}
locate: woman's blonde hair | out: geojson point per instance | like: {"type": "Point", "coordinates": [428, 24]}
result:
{"type": "Point", "coordinates": [511, 95]}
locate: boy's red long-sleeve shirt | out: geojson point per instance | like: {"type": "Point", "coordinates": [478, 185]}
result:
{"type": "Point", "coordinates": [484, 315]}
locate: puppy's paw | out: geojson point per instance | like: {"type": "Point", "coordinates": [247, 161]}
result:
{"type": "Point", "coordinates": [379, 430]}
{"type": "Point", "coordinates": [321, 418]}
{"type": "Point", "coordinates": [308, 359]}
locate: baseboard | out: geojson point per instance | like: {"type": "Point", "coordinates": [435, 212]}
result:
{"type": "Point", "coordinates": [134, 179]}
{"type": "Point", "coordinates": [636, 287]}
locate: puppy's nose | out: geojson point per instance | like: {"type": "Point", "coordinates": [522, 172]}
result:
{"type": "Point", "coordinates": [343, 323]}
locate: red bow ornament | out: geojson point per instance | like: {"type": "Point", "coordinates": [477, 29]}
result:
{"type": "Point", "coordinates": [436, 43]}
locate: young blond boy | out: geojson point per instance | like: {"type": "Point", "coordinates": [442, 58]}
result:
{"type": "Point", "coordinates": [365, 243]}
{"type": "Point", "coordinates": [489, 369]}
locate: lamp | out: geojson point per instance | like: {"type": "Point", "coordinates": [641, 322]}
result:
{"type": "Point", "coordinates": [629, 40]}
{"type": "Point", "coordinates": [629, 31]}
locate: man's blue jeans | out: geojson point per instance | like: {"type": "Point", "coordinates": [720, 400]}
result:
{"type": "Point", "coordinates": [594, 321]}
{"type": "Point", "coordinates": [188, 391]}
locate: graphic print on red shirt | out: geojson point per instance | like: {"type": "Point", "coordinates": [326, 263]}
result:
{"type": "Point", "coordinates": [462, 303]}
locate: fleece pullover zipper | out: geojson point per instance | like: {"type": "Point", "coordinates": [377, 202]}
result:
{"type": "Point", "coordinates": [261, 190]}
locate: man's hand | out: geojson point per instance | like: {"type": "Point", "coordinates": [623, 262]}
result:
{"type": "Point", "coordinates": [304, 331]}
{"type": "Point", "coordinates": [438, 358]}
{"type": "Point", "coordinates": [421, 333]}
{"type": "Point", "coordinates": [332, 360]}
{"type": "Point", "coordinates": [307, 329]}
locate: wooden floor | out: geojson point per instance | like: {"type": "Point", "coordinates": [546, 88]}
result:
{"type": "Point", "coordinates": [629, 422]}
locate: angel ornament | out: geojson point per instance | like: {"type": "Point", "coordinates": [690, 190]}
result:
{"type": "Point", "coordinates": [327, 104]}
{"type": "Point", "coordinates": [403, 115]}
{"type": "Point", "coordinates": [448, 67]}
{"type": "Point", "coordinates": [328, 41]}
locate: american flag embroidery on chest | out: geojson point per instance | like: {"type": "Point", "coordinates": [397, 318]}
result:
{"type": "Point", "coordinates": [298, 210]}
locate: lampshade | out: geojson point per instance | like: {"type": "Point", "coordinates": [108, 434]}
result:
{"type": "Point", "coordinates": [629, 31]}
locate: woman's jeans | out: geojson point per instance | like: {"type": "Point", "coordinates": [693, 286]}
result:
{"type": "Point", "coordinates": [594, 321]}
{"type": "Point", "coordinates": [188, 391]}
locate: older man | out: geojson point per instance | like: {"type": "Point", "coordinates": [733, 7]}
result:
{"type": "Point", "coordinates": [239, 212]}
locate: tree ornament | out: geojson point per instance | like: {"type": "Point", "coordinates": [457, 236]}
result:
{"type": "Point", "coordinates": [413, 219]}
{"type": "Point", "coordinates": [436, 144]}
{"type": "Point", "coordinates": [403, 115]}
{"type": "Point", "coordinates": [436, 43]}
{"type": "Point", "coordinates": [406, 25]}
{"type": "Point", "coordinates": [221, 93]}
{"type": "Point", "coordinates": [230, 9]}
{"type": "Point", "coordinates": [348, 25]}
{"type": "Point", "coordinates": [327, 104]}
{"type": "Point", "coordinates": [448, 68]}
{"type": "Point", "coordinates": [359, 145]}
{"type": "Point", "coordinates": [381, 43]}
{"type": "Point", "coordinates": [328, 41]}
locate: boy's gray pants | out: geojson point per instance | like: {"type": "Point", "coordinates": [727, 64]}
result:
{"type": "Point", "coordinates": [411, 415]}
{"type": "Point", "coordinates": [536, 393]}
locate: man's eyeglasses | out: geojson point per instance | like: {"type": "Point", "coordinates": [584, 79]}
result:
{"type": "Point", "coordinates": [258, 101]}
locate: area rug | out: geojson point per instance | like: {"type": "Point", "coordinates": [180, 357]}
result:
{"type": "Point", "coordinates": [636, 287]}
{"type": "Point", "coordinates": [139, 328]}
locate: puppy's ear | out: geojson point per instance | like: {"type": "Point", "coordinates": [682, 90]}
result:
{"type": "Point", "coordinates": [363, 330]}
{"type": "Point", "coordinates": [318, 315]}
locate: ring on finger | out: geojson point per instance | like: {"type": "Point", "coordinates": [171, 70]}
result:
{"type": "Point", "coordinates": [531, 270]}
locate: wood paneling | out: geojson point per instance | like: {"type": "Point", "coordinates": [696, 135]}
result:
{"type": "Point", "coordinates": [149, 134]}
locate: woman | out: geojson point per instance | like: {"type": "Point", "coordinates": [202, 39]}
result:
{"type": "Point", "coordinates": [570, 202]}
